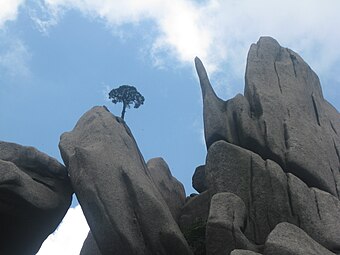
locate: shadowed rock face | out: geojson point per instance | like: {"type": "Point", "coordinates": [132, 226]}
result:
{"type": "Point", "coordinates": [168, 186]}
{"type": "Point", "coordinates": [282, 116]}
{"type": "Point", "coordinates": [90, 246]}
{"type": "Point", "coordinates": [125, 211]}
{"type": "Point", "coordinates": [35, 194]}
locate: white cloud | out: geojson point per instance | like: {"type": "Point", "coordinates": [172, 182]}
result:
{"type": "Point", "coordinates": [69, 237]}
{"type": "Point", "coordinates": [14, 57]}
{"type": "Point", "coordinates": [219, 31]}
{"type": "Point", "coordinates": [9, 10]}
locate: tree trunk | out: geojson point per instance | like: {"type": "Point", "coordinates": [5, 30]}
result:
{"type": "Point", "coordinates": [123, 111]}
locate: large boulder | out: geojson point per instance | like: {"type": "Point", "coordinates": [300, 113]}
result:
{"type": "Point", "coordinates": [272, 196]}
{"type": "Point", "coordinates": [227, 218]}
{"type": "Point", "coordinates": [282, 116]}
{"type": "Point", "coordinates": [168, 186]}
{"type": "Point", "coordinates": [35, 194]}
{"type": "Point", "coordinates": [198, 179]}
{"type": "Point", "coordinates": [125, 211]}
{"type": "Point", "coordinates": [287, 239]}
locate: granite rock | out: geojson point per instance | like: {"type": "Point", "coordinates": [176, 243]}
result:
{"type": "Point", "coordinates": [125, 211]}
{"type": "Point", "coordinates": [35, 194]}
{"type": "Point", "coordinates": [227, 219]}
{"type": "Point", "coordinates": [288, 239]}
{"type": "Point", "coordinates": [272, 196]}
{"type": "Point", "coordinates": [168, 186]}
{"type": "Point", "coordinates": [282, 116]}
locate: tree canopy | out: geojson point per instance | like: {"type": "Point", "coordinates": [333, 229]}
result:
{"type": "Point", "coordinates": [127, 95]}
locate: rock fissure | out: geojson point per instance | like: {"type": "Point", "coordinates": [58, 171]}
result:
{"type": "Point", "coordinates": [292, 213]}
{"type": "Point", "coordinates": [293, 59]}
{"type": "Point", "coordinates": [333, 128]}
{"type": "Point", "coordinates": [335, 183]}
{"type": "Point", "coordinates": [336, 150]}
{"type": "Point", "coordinates": [134, 205]}
{"type": "Point", "coordinates": [237, 128]}
{"type": "Point", "coordinates": [278, 77]}
{"type": "Point", "coordinates": [316, 110]}
{"type": "Point", "coordinates": [233, 230]}
{"type": "Point", "coordinates": [317, 204]}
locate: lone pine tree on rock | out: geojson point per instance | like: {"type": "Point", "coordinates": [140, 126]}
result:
{"type": "Point", "coordinates": [127, 95]}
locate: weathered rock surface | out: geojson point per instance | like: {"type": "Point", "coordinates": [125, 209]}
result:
{"type": "Point", "coordinates": [196, 209]}
{"type": "Point", "coordinates": [125, 211]}
{"type": "Point", "coordinates": [193, 221]}
{"type": "Point", "coordinates": [227, 219]}
{"type": "Point", "coordinates": [35, 195]}
{"type": "Point", "coordinates": [90, 246]}
{"type": "Point", "coordinates": [168, 186]}
{"type": "Point", "coordinates": [282, 116]}
{"type": "Point", "coordinates": [287, 239]}
{"type": "Point", "coordinates": [198, 179]}
{"type": "Point", "coordinates": [244, 252]}
{"type": "Point", "coordinates": [272, 196]}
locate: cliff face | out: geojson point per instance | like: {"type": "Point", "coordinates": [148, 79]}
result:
{"type": "Point", "coordinates": [277, 149]}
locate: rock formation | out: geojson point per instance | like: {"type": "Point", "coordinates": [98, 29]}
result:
{"type": "Point", "coordinates": [282, 116]}
{"type": "Point", "coordinates": [35, 195]}
{"type": "Point", "coordinates": [168, 186]}
{"type": "Point", "coordinates": [275, 149]}
{"type": "Point", "coordinates": [289, 239]}
{"type": "Point", "coordinates": [124, 209]}
{"type": "Point", "coordinates": [270, 183]}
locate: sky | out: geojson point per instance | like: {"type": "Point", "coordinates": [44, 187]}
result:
{"type": "Point", "coordinates": [59, 58]}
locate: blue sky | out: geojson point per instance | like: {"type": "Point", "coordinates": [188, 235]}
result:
{"type": "Point", "coordinates": [58, 58]}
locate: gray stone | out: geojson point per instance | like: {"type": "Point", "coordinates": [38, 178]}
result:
{"type": "Point", "coordinates": [243, 252]}
{"type": "Point", "coordinates": [168, 186]}
{"type": "Point", "coordinates": [90, 246]}
{"type": "Point", "coordinates": [227, 218]}
{"type": "Point", "coordinates": [193, 221]}
{"type": "Point", "coordinates": [196, 209]}
{"type": "Point", "coordinates": [282, 116]}
{"type": "Point", "coordinates": [125, 211]}
{"type": "Point", "coordinates": [271, 196]}
{"type": "Point", "coordinates": [198, 179]}
{"type": "Point", "coordinates": [287, 239]}
{"type": "Point", "coordinates": [35, 195]}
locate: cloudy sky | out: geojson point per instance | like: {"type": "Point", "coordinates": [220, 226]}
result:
{"type": "Point", "coordinates": [58, 58]}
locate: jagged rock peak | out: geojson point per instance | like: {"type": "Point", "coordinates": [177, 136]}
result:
{"type": "Point", "coordinates": [282, 115]}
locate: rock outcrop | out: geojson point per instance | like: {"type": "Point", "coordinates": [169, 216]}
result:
{"type": "Point", "coordinates": [35, 195]}
{"type": "Point", "coordinates": [198, 179]}
{"type": "Point", "coordinates": [227, 216]}
{"type": "Point", "coordinates": [287, 239]}
{"type": "Point", "coordinates": [125, 211]}
{"type": "Point", "coordinates": [282, 116]}
{"type": "Point", "coordinates": [277, 149]}
{"type": "Point", "coordinates": [168, 186]}
{"type": "Point", "coordinates": [270, 183]}
{"type": "Point", "coordinates": [272, 196]}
